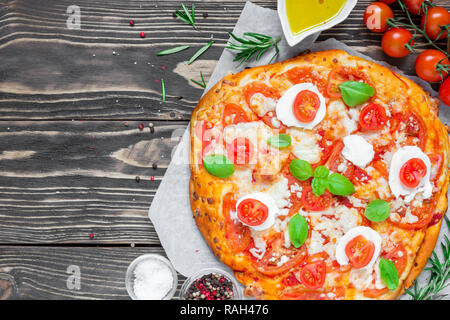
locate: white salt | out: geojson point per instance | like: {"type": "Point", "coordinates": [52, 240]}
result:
{"type": "Point", "coordinates": [153, 280]}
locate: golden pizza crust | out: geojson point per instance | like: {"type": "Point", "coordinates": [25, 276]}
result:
{"type": "Point", "coordinates": [207, 191]}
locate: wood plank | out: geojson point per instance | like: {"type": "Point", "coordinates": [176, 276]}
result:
{"type": "Point", "coordinates": [42, 272]}
{"type": "Point", "coordinates": [62, 181]}
{"type": "Point", "coordinates": [51, 72]}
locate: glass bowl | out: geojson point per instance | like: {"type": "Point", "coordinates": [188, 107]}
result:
{"type": "Point", "coordinates": [188, 282]}
{"type": "Point", "coordinates": [129, 277]}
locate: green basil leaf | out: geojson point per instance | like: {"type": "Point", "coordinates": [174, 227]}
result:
{"type": "Point", "coordinates": [218, 165]}
{"type": "Point", "coordinates": [321, 172]}
{"type": "Point", "coordinates": [389, 273]}
{"type": "Point", "coordinates": [282, 140]}
{"type": "Point", "coordinates": [377, 210]}
{"type": "Point", "coordinates": [355, 92]}
{"type": "Point", "coordinates": [298, 230]}
{"type": "Point", "coordinates": [301, 169]}
{"type": "Point", "coordinates": [339, 185]}
{"type": "Point", "coordinates": [318, 186]}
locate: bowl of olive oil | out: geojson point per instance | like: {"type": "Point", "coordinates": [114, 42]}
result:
{"type": "Point", "coordinates": [302, 18]}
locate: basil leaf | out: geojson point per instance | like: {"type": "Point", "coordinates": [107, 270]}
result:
{"type": "Point", "coordinates": [218, 165]}
{"type": "Point", "coordinates": [377, 210]}
{"type": "Point", "coordinates": [389, 273]}
{"type": "Point", "coordinates": [282, 140]}
{"type": "Point", "coordinates": [355, 92]}
{"type": "Point", "coordinates": [318, 186]}
{"type": "Point", "coordinates": [321, 172]}
{"type": "Point", "coordinates": [301, 169]}
{"type": "Point", "coordinates": [298, 230]}
{"type": "Point", "coordinates": [339, 185]}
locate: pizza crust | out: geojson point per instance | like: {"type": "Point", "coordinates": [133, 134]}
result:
{"type": "Point", "coordinates": [207, 191]}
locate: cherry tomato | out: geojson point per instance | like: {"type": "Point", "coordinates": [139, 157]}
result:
{"type": "Point", "coordinates": [394, 41]}
{"type": "Point", "coordinates": [312, 276]}
{"type": "Point", "coordinates": [312, 202]}
{"type": "Point", "coordinates": [336, 159]}
{"type": "Point", "coordinates": [435, 17]}
{"type": "Point", "coordinates": [258, 87]}
{"type": "Point", "coordinates": [238, 235]}
{"type": "Point", "coordinates": [233, 114]}
{"type": "Point", "coordinates": [373, 117]}
{"type": "Point", "coordinates": [359, 251]}
{"type": "Point", "coordinates": [305, 106]}
{"type": "Point", "coordinates": [389, 1]}
{"type": "Point", "coordinates": [376, 15]}
{"type": "Point", "coordinates": [271, 266]}
{"type": "Point", "coordinates": [290, 280]}
{"type": "Point", "coordinates": [252, 212]}
{"type": "Point", "coordinates": [415, 6]}
{"type": "Point", "coordinates": [240, 151]}
{"type": "Point", "coordinates": [412, 172]}
{"type": "Point", "coordinates": [426, 64]}
{"type": "Point", "coordinates": [444, 91]}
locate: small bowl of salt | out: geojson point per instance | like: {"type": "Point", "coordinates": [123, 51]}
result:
{"type": "Point", "coordinates": [151, 277]}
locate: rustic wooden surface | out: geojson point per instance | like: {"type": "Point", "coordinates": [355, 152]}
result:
{"type": "Point", "coordinates": [71, 102]}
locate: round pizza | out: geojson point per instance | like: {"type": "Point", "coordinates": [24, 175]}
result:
{"type": "Point", "coordinates": [320, 177]}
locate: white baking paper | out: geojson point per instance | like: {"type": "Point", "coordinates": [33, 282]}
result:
{"type": "Point", "coordinates": [170, 211]}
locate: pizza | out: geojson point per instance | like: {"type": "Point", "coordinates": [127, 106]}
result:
{"type": "Point", "coordinates": [321, 177]}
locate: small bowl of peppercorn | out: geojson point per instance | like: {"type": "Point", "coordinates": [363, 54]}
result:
{"type": "Point", "coordinates": [210, 284]}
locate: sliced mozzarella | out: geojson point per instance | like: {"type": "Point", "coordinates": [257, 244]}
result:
{"type": "Point", "coordinates": [399, 158]}
{"type": "Point", "coordinates": [357, 150]}
{"type": "Point", "coordinates": [284, 107]}
{"type": "Point", "coordinates": [366, 232]}
{"type": "Point", "coordinates": [268, 201]}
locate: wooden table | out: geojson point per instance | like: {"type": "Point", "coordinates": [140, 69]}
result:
{"type": "Point", "coordinates": [71, 102]}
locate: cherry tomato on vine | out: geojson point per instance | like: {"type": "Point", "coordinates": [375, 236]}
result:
{"type": "Point", "coordinates": [376, 15]}
{"type": "Point", "coordinates": [389, 1]}
{"type": "Point", "coordinates": [444, 91]}
{"type": "Point", "coordinates": [426, 65]}
{"type": "Point", "coordinates": [394, 41]}
{"type": "Point", "coordinates": [435, 17]}
{"type": "Point", "coordinates": [415, 6]}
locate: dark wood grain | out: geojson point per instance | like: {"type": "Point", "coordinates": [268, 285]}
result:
{"type": "Point", "coordinates": [42, 272]}
{"type": "Point", "coordinates": [62, 181]}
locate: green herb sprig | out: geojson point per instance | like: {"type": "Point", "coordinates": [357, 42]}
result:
{"type": "Point", "coordinates": [439, 273]}
{"type": "Point", "coordinates": [163, 90]}
{"type": "Point", "coordinates": [201, 84]}
{"type": "Point", "coordinates": [172, 50]}
{"type": "Point", "coordinates": [186, 16]}
{"type": "Point", "coordinates": [201, 51]}
{"type": "Point", "coordinates": [251, 44]}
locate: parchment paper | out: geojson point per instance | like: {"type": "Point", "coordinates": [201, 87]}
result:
{"type": "Point", "coordinates": [170, 211]}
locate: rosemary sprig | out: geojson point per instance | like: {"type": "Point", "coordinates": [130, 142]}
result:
{"type": "Point", "coordinates": [163, 90]}
{"type": "Point", "coordinates": [172, 50]}
{"type": "Point", "coordinates": [251, 44]}
{"type": "Point", "coordinates": [439, 273]}
{"type": "Point", "coordinates": [203, 83]}
{"type": "Point", "coordinates": [201, 51]}
{"type": "Point", "coordinates": [186, 16]}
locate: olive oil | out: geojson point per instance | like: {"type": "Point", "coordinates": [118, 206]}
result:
{"type": "Point", "coordinates": [307, 14]}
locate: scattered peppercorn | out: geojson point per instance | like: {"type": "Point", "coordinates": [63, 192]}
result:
{"type": "Point", "coordinates": [154, 166]}
{"type": "Point", "coordinates": [141, 126]}
{"type": "Point", "coordinates": [131, 22]}
{"type": "Point", "coordinates": [205, 15]}
{"type": "Point", "coordinates": [213, 286]}
{"type": "Point", "coordinates": [142, 34]}
{"type": "Point", "coordinates": [137, 178]}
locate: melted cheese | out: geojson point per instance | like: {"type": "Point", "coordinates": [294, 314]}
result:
{"type": "Point", "coordinates": [305, 145]}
